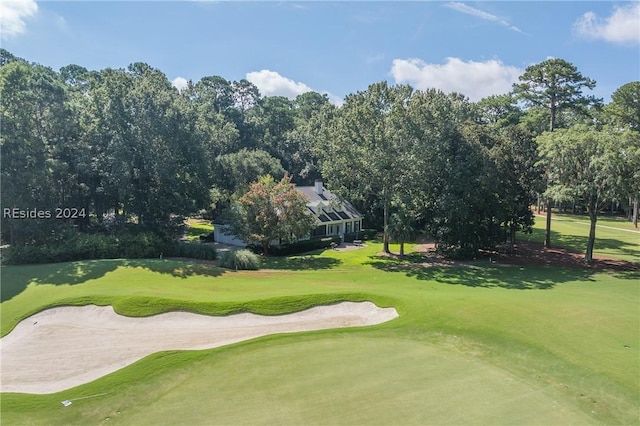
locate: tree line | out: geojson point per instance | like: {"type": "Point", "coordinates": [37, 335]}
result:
{"type": "Point", "coordinates": [126, 149]}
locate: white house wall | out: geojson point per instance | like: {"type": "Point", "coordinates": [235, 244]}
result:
{"type": "Point", "coordinates": [220, 237]}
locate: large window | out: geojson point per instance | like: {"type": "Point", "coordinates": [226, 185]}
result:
{"type": "Point", "coordinates": [356, 226]}
{"type": "Point", "coordinates": [320, 231]}
{"type": "Point", "coordinates": [347, 227]}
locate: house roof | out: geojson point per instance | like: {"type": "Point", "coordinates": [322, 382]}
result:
{"type": "Point", "coordinates": [328, 210]}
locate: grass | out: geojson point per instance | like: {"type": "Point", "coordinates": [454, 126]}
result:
{"type": "Point", "coordinates": [473, 345]}
{"type": "Point", "coordinates": [197, 228]}
{"type": "Point", "coordinates": [615, 237]}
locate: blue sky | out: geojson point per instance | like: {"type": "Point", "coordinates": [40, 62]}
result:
{"type": "Point", "coordinates": [477, 48]}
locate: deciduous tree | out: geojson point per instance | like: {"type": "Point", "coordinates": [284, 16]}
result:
{"type": "Point", "coordinates": [584, 164]}
{"type": "Point", "coordinates": [271, 210]}
{"type": "Point", "coordinates": [555, 85]}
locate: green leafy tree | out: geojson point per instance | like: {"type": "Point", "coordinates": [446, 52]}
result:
{"type": "Point", "coordinates": [273, 118]}
{"type": "Point", "coordinates": [235, 171]}
{"type": "Point", "coordinates": [269, 211]}
{"type": "Point", "coordinates": [312, 114]}
{"type": "Point", "coordinates": [584, 164]}
{"type": "Point", "coordinates": [464, 208]}
{"type": "Point", "coordinates": [499, 110]}
{"type": "Point", "coordinates": [624, 111]}
{"type": "Point", "coordinates": [401, 228]}
{"type": "Point", "coordinates": [555, 85]}
{"type": "Point", "coordinates": [364, 154]}
{"type": "Point", "coordinates": [36, 143]}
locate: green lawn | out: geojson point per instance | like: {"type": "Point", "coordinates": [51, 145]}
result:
{"type": "Point", "coordinates": [197, 228]}
{"type": "Point", "coordinates": [479, 344]}
{"type": "Point", "coordinates": [615, 237]}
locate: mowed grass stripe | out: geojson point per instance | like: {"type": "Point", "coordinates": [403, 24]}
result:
{"type": "Point", "coordinates": [355, 380]}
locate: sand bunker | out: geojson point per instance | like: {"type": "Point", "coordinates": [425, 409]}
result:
{"type": "Point", "coordinates": [64, 347]}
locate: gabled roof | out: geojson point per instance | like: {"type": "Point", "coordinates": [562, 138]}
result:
{"type": "Point", "coordinates": [322, 203]}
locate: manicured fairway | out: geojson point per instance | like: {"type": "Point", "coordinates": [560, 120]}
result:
{"type": "Point", "coordinates": [474, 344]}
{"type": "Point", "coordinates": [615, 237]}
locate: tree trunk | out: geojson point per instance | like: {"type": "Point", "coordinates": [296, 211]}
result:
{"type": "Point", "coordinates": [635, 212]}
{"type": "Point", "coordinates": [593, 215]}
{"type": "Point", "coordinates": [385, 237]}
{"type": "Point", "coordinates": [402, 248]}
{"type": "Point", "coordinates": [552, 125]}
{"type": "Point", "coordinates": [512, 237]}
{"type": "Point", "coordinates": [547, 232]}
{"type": "Point", "coordinates": [265, 248]}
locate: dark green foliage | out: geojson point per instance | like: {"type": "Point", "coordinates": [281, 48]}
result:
{"type": "Point", "coordinates": [144, 245]}
{"type": "Point", "coordinates": [72, 245]}
{"type": "Point", "coordinates": [241, 259]}
{"type": "Point", "coordinates": [209, 237]}
{"type": "Point", "coordinates": [301, 246]}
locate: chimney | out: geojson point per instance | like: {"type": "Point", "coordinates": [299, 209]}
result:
{"type": "Point", "coordinates": [318, 186]}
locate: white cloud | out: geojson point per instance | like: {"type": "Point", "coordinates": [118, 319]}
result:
{"type": "Point", "coordinates": [270, 83]}
{"type": "Point", "coordinates": [463, 8]}
{"type": "Point", "coordinates": [476, 80]}
{"type": "Point", "coordinates": [623, 26]}
{"type": "Point", "coordinates": [179, 83]}
{"type": "Point", "coordinates": [13, 14]}
{"type": "Point", "coordinates": [334, 99]}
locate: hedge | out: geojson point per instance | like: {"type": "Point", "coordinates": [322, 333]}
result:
{"type": "Point", "coordinates": [78, 246]}
{"type": "Point", "coordinates": [299, 246]}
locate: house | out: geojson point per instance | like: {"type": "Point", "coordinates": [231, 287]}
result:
{"type": "Point", "coordinates": [334, 215]}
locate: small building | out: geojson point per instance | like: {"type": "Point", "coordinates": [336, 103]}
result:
{"type": "Point", "coordinates": [334, 215]}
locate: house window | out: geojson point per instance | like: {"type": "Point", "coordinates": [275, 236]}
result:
{"type": "Point", "coordinates": [347, 227]}
{"type": "Point", "coordinates": [320, 231]}
{"type": "Point", "coordinates": [356, 226]}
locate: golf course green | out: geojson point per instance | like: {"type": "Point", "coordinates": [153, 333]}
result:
{"type": "Point", "coordinates": [475, 343]}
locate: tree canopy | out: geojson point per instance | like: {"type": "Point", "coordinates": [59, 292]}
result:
{"type": "Point", "coordinates": [126, 147]}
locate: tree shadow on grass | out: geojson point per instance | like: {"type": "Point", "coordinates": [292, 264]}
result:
{"type": "Point", "coordinates": [15, 279]}
{"type": "Point", "coordinates": [480, 273]}
{"type": "Point", "coordinates": [300, 263]}
{"type": "Point", "coordinates": [578, 243]}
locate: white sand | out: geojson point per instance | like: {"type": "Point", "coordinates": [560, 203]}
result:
{"type": "Point", "coordinates": [64, 347]}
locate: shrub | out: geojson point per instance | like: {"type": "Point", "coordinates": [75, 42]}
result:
{"type": "Point", "coordinates": [142, 245]}
{"type": "Point", "coordinates": [193, 250]}
{"type": "Point", "coordinates": [240, 259]}
{"type": "Point", "coordinates": [302, 246]}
